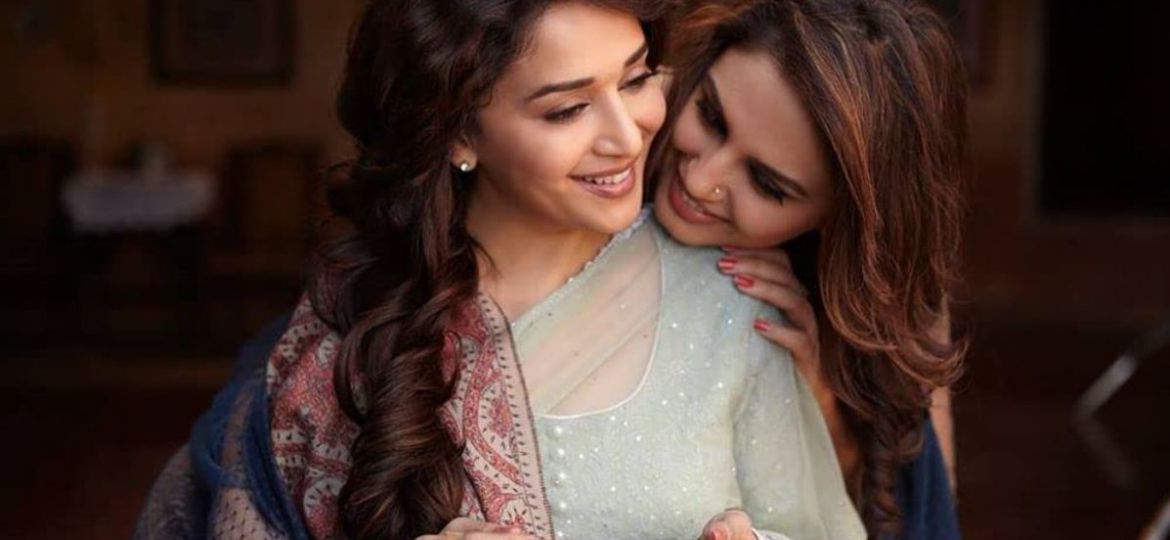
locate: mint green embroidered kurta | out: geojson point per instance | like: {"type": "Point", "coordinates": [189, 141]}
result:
{"type": "Point", "coordinates": [658, 406]}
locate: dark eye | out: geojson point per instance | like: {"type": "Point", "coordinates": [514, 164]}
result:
{"type": "Point", "coordinates": [637, 83]}
{"type": "Point", "coordinates": [766, 187]}
{"type": "Point", "coordinates": [710, 115]}
{"type": "Point", "coordinates": [566, 114]}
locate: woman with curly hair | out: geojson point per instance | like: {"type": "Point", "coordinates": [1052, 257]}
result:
{"type": "Point", "coordinates": [503, 345]}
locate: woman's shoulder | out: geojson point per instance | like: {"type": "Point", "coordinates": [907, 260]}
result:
{"type": "Point", "coordinates": [308, 430]}
{"type": "Point", "coordinates": [706, 303]}
{"type": "Point", "coordinates": [307, 347]}
{"type": "Point", "coordinates": [691, 274]}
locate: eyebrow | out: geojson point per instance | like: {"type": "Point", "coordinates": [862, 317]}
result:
{"type": "Point", "coordinates": [577, 84]}
{"type": "Point", "coordinates": [754, 164]}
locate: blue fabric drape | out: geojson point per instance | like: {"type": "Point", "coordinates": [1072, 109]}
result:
{"type": "Point", "coordinates": [924, 495]}
{"type": "Point", "coordinates": [257, 472]}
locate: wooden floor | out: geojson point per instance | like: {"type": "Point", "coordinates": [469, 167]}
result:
{"type": "Point", "coordinates": [82, 449]}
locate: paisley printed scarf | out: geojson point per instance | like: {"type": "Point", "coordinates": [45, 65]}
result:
{"type": "Point", "coordinates": [488, 416]}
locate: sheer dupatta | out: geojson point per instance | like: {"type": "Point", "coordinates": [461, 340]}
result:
{"type": "Point", "coordinates": [589, 345]}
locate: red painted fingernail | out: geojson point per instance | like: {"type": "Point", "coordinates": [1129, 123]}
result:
{"type": "Point", "coordinates": [744, 282]}
{"type": "Point", "coordinates": [727, 263]}
{"type": "Point", "coordinates": [762, 325]}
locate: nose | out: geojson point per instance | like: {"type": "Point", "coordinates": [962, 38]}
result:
{"type": "Point", "coordinates": [705, 175]}
{"type": "Point", "coordinates": [620, 135]}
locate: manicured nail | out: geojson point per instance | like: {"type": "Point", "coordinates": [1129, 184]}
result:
{"type": "Point", "coordinates": [744, 282]}
{"type": "Point", "coordinates": [762, 325]}
{"type": "Point", "coordinates": [728, 263]}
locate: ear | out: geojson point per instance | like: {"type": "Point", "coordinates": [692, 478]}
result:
{"type": "Point", "coordinates": [463, 155]}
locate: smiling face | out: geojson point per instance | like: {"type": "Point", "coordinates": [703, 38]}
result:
{"type": "Point", "coordinates": [745, 165]}
{"type": "Point", "coordinates": [562, 143]}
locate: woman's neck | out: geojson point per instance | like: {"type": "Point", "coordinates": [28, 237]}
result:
{"type": "Point", "coordinates": [529, 258]}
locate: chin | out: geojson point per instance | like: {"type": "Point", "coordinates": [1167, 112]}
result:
{"type": "Point", "coordinates": [621, 216]}
{"type": "Point", "coordinates": [682, 232]}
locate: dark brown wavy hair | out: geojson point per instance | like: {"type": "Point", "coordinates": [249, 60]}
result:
{"type": "Point", "coordinates": [885, 87]}
{"type": "Point", "coordinates": [417, 73]}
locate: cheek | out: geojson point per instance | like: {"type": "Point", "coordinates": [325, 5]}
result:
{"type": "Point", "coordinates": [648, 108]}
{"type": "Point", "coordinates": [688, 136]}
{"type": "Point", "coordinates": [534, 153]}
{"type": "Point", "coordinates": [553, 151]}
{"type": "Point", "coordinates": [764, 223]}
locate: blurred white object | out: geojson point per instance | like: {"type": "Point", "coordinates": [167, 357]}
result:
{"type": "Point", "coordinates": [1160, 528]}
{"type": "Point", "coordinates": [1118, 467]}
{"type": "Point", "coordinates": [100, 201]}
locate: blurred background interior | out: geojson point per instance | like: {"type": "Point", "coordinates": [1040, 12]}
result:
{"type": "Point", "coordinates": [160, 164]}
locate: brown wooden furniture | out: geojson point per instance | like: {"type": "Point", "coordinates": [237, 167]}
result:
{"type": "Point", "coordinates": [32, 225]}
{"type": "Point", "coordinates": [267, 206]}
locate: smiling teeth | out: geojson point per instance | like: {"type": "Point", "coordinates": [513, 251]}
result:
{"type": "Point", "coordinates": [608, 180]}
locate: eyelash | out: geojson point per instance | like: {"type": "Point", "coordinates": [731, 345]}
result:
{"type": "Point", "coordinates": [639, 82]}
{"type": "Point", "coordinates": [766, 188]}
{"type": "Point", "coordinates": [713, 121]}
{"type": "Point", "coordinates": [568, 113]}
{"type": "Point", "coordinates": [710, 116]}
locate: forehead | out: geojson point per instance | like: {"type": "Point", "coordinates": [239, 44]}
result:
{"type": "Point", "coordinates": [574, 40]}
{"type": "Point", "coordinates": [767, 117]}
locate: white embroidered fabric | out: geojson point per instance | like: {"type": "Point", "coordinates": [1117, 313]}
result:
{"type": "Point", "coordinates": [659, 407]}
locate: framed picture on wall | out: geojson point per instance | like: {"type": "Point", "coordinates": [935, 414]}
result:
{"type": "Point", "coordinates": [222, 41]}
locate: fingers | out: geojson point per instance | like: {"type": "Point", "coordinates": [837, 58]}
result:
{"type": "Point", "coordinates": [795, 306]}
{"type": "Point", "coordinates": [767, 276]}
{"type": "Point", "coordinates": [799, 343]}
{"type": "Point", "coordinates": [775, 255]}
{"type": "Point", "coordinates": [716, 531]}
{"type": "Point", "coordinates": [729, 525]}
{"type": "Point", "coordinates": [760, 269]}
{"type": "Point", "coordinates": [470, 529]}
{"type": "Point", "coordinates": [805, 355]}
{"type": "Point", "coordinates": [494, 536]}
{"type": "Point", "coordinates": [476, 536]}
